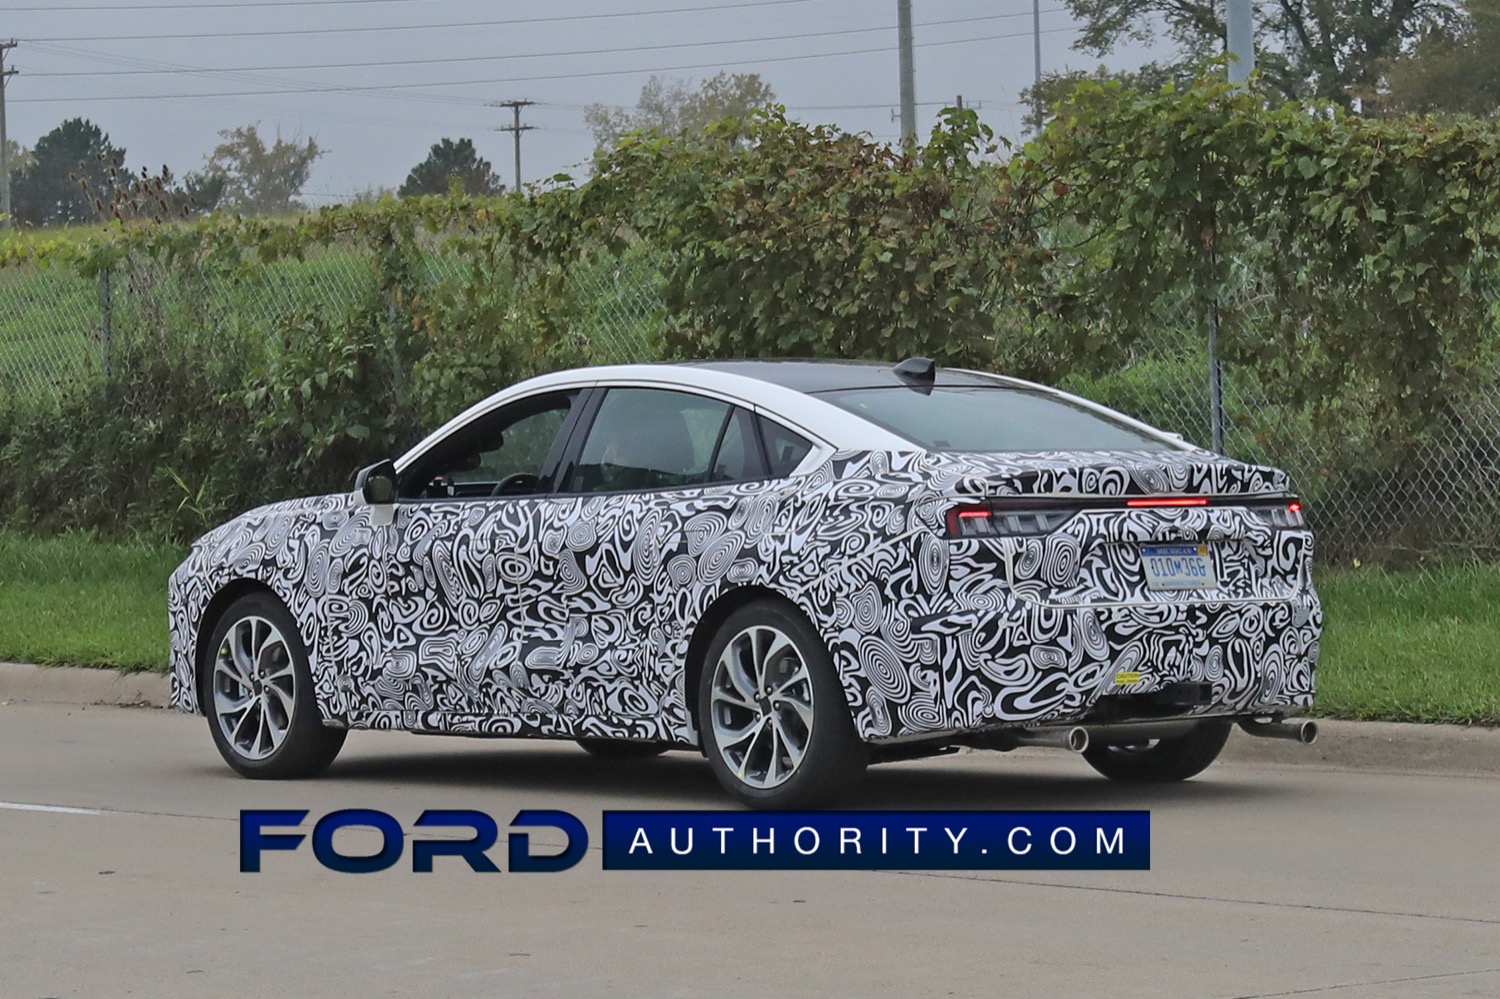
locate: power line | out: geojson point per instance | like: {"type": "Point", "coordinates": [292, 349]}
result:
{"type": "Point", "coordinates": [419, 27]}
{"type": "Point", "coordinates": [170, 69]}
{"type": "Point", "coordinates": [388, 90]}
{"type": "Point", "coordinates": [131, 7]}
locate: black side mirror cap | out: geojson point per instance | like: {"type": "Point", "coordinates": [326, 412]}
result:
{"type": "Point", "coordinates": [377, 484]}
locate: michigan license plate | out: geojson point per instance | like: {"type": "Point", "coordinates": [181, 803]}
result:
{"type": "Point", "coordinates": [1178, 567]}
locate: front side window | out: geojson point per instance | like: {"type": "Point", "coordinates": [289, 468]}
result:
{"type": "Point", "coordinates": [983, 418]}
{"type": "Point", "coordinates": [649, 439]}
{"type": "Point", "coordinates": [503, 453]}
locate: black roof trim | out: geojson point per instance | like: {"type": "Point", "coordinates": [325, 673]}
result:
{"type": "Point", "coordinates": [812, 376]}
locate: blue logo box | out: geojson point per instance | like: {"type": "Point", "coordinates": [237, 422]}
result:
{"type": "Point", "coordinates": [850, 841]}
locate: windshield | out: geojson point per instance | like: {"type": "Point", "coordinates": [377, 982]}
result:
{"type": "Point", "coordinates": [981, 418]}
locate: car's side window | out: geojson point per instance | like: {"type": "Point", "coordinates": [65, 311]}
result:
{"type": "Point", "coordinates": [503, 453]}
{"type": "Point", "coordinates": [645, 438]}
{"type": "Point", "coordinates": [738, 457]}
{"type": "Point", "coordinates": [785, 449]}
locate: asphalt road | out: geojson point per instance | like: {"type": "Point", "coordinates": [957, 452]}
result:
{"type": "Point", "coordinates": [1267, 879]}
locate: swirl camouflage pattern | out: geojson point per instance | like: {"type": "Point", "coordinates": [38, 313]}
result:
{"type": "Point", "coordinates": [580, 615]}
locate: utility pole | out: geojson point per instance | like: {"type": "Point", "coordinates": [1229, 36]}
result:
{"type": "Point", "coordinates": [1241, 45]}
{"type": "Point", "coordinates": [908, 74]}
{"type": "Point", "coordinates": [515, 128]}
{"type": "Point", "coordinates": [1241, 40]}
{"type": "Point", "coordinates": [1036, 61]}
{"type": "Point", "coordinates": [5, 74]}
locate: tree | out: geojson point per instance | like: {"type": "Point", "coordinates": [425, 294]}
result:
{"type": "Point", "coordinates": [1055, 88]}
{"type": "Point", "coordinates": [451, 166]}
{"type": "Point", "coordinates": [674, 106]}
{"type": "Point", "coordinates": [1305, 48]}
{"type": "Point", "coordinates": [260, 179]}
{"type": "Point", "coordinates": [70, 178]}
{"type": "Point", "coordinates": [1450, 71]}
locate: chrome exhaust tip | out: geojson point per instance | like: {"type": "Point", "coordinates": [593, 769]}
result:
{"type": "Point", "coordinates": [1075, 738]}
{"type": "Point", "coordinates": [1304, 731]}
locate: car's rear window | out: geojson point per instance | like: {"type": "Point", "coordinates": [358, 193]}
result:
{"type": "Point", "coordinates": [975, 418]}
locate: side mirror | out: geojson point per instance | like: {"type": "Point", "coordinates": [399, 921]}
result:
{"type": "Point", "coordinates": [376, 485]}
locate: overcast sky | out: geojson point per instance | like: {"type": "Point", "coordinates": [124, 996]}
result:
{"type": "Point", "coordinates": [377, 82]}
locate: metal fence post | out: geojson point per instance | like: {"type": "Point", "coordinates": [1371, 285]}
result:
{"type": "Point", "coordinates": [106, 320]}
{"type": "Point", "coordinates": [1215, 380]}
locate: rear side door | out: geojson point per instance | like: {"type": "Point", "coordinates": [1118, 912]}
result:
{"type": "Point", "coordinates": [645, 529]}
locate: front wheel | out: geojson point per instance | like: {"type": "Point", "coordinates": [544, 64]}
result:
{"type": "Point", "coordinates": [1161, 761]}
{"type": "Point", "coordinates": [775, 725]}
{"type": "Point", "coordinates": [261, 709]}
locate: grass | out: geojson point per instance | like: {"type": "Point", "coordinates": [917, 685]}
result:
{"type": "Point", "coordinates": [1399, 647]}
{"type": "Point", "coordinates": [71, 600]}
{"type": "Point", "coordinates": [1412, 647]}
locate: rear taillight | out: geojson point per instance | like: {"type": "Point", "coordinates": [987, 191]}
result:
{"type": "Point", "coordinates": [987, 521]}
{"type": "Point", "coordinates": [1286, 514]}
{"type": "Point", "coordinates": [1020, 516]}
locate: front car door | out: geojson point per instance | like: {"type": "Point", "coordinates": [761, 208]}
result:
{"type": "Point", "coordinates": [463, 563]}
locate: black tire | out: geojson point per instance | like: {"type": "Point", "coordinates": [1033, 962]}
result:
{"type": "Point", "coordinates": [833, 758]}
{"type": "Point", "coordinates": [308, 746]}
{"type": "Point", "coordinates": [620, 749]}
{"type": "Point", "coordinates": [1163, 761]}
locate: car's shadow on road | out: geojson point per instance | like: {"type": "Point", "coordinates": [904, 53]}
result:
{"type": "Point", "coordinates": [684, 780]}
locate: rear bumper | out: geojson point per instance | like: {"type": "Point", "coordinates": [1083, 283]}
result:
{"type": "Point", "coordinates": [1028, 664]}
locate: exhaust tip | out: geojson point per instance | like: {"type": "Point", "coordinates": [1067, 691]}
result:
{"type": "Point", "coordinates": [1078, 739]}
{"type": "Point", "coordinates": [1307, 733]}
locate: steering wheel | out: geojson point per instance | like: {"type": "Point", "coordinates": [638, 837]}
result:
{"type": "Point", "coordinates": [516, 484]}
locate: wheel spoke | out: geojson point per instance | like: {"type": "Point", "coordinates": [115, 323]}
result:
{"type": "Point", "coordinates": [731, 737]}
{"type": "Point", "coordinates": [773, 764]}
{"type": "Point", "coordinates": [799, 675]}
{"type": "Point", "coordinates": [274, 732]}
{"type": "Point", "coordinates": [744, 682]}
{"type": "Point", "coordinates": [777, 644]}
{"type": "Point", "coordinates": [284, 696]}
{"type": "Point", "coordinates": [794, 751]}
{"type": "Point", "coordinates": [278, 666]}
{"type": "Point", "coordinates": [754, 739]}
{"type": "Point", "coordinates": [803, 708]}
{"type": "Point", "coordinates": [732, 697]}
{"type": "Point", "coordinates": [229, 706]}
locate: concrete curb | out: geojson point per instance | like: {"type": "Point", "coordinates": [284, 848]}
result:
{"type": "Point", "coordinates": [1391, 746]}
{"type": "Point", "coordinates": [76, 685]}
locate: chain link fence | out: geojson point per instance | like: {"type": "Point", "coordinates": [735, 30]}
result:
{"type": "Point", "coordinates": [59, 330]}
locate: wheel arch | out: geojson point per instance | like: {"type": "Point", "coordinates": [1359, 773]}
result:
{"type": "Point", "coordinates": [221, 602]}
{"type": "Point", "coordinates": [708, 626]}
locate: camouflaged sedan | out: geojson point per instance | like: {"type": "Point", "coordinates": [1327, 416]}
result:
{"type": "Point", "coordinates": [796, 568]}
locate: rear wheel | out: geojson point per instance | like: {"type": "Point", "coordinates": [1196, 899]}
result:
{"type": "Point", "coordinates": [619, 749]}
{"type": "Point", "coordinates": [775, 725]}
{"type": "Point", "coordinates": [259, 694]}
{"type": "Point", "coordinates": [1161, 761]}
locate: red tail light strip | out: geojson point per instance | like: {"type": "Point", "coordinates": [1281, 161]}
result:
{"type": "Point", "coordinates": [1168, 501]}
{"type": "Point", "coordinates": [1023, 516]}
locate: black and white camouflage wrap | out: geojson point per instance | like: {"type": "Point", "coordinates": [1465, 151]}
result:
{"type": "Point", "coordinates": [572, 616]}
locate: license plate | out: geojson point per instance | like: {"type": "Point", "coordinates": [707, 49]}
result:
{"type": "Point", "coordinates": [1178, 567]}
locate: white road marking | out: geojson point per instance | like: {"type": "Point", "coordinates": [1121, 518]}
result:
{"type": "Point", "coordinates": [21, 806]}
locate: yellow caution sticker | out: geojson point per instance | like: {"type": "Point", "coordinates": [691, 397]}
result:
{"type": "Point", "coordinates": [1127, 677]}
